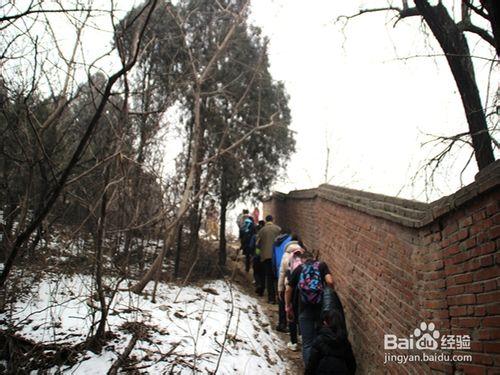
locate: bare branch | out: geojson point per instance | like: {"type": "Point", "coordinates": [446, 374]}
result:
{"type": "Point", "coordinates": [471, 28]}
{"type": "Point", "coordinates": [403, 12]}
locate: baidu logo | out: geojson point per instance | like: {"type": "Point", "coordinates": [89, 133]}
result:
{"type": "Point", "coordinates": [425, 337]}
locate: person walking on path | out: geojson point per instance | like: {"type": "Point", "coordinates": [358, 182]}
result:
{"type": "Point", "coordinates": [279, 246]}
{"type": "Point", "coordinates": [212, 221]}
{"type": "Point", "coordinates": [331, 352]}
{"type": "Point", "coordinates": [248, 241]}
{"type": "Point", "coordinates": [310, 279]}
{"type": "Point", "coordinates": [240, 221]}
{"type": "Point", "coordinates": [265, 241]}
{"type": "Point", "coordinates": [289, 261]}
{"type": "Point", "coordinates": [256, 263]}
{"type": "Point", "coordinates": [256, 215]}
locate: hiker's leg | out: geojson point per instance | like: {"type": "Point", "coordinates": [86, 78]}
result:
{"type": "Point", "coordinates": [255, 268]}
{"type": "Point", "coordinates": [271, 297]}
{"type": "Point", "coordinates": [282, 312]}
{"type": "Point", "coordinates": [307, 323]}
{"type": "Point", "coordinates": [261, 278]}
{"type": "Point", "coordinates": [292, 326]}
{"type": "Point", "coordinates": [248, 257]}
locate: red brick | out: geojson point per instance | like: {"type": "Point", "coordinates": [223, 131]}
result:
{"type": "Point", "coordinates": [490, 285]}
{"type": "Point", "coordinates": [487, 261]}
{"type": "Point", "coordinates": [458, 310]}
{"type": "Point", "coordinates": [451, 250]}
{"type": "Point", "coordinates": [490, 347]}
{"type": "Point", "coordinates": [480, 311]}
{"type": "Point", "coordinates": [473, 265]}
{"type": "Point", "coordinates": [489, 334]}
{"type": "Point", "coordinates": [468, 322]}
{"type": "Point", "coordinates": [481, 238]}
{"type": "Point", "coordinates": [462, 234]}
{"type": "Point", "coordinates": [486, 273]}
{"type": "Point", "coordinates": [488, 297]}
{"type": "Point", "coordinates": [455, 290]}
{"type": "Point", "coordinates": [474, 345]}
{"type": "Point", "coordinates": [455, 269]}
{"type": "Point", "coordinates": [491, 321]}
{"type": "Point", "coordinates": [439, 314]}
{"type": "Point", "coordinates": [493, 309]}
{"type": "Point", "coordinates": [437, 304]}
{"type": "Point", "coordinates": [482, 359]}
{"type": "Point", "coordinates": [478, 216]}
{"type": "Point", "coordinates": [449, 229]}
{"type": "Point", "coordinates": [496, 218]}
{"type": "Point", "coordinates": [473, 369]}
{"type": "Point", "coordinates": [469, 243]}
{"type": "Point", "coordinates": [474, 288]}
{"type": "Point", "coordinates": [494, 232]}
{"type": "Point", "coordinates": [465, 299]}
{"type": "Point", "coordinates": [464, 278]}
{"type": "Point", "coordinates": [481, 226]}
{"type": "Point", "coordinates": [492, 209]}
{"type": "Point", "coordinates": [465, 222]}
{"type": "Point", "coordinates": [483, 249]}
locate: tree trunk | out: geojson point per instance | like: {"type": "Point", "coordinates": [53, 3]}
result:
{"type": "Point", "coordinates": [101, 227]}
{"type": "Point", "coordinates": [456, 49]}
{"type": "Point", "coordinates": [222, 227]}
{"type": "Point", "coordinates": [178, 250]}
{"type": "Point", "coordinates": [195, 235]}
{"type": "Point", "coordinates": [187, 195]}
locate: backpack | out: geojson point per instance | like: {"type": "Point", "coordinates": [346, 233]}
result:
{"type": "Point", "coordinates": [247, 227]}
{"type": "Point", "coordinates": [310, 284]}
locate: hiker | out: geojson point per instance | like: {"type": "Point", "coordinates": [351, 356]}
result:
{"type": "Point", "coordinates": [212, 220]}
{"type": "Point", "coordinates": [255, 215]}
{"type": "Point", "coordinates": [291, 259]}
{"type": "Point", "coordinates": [240, 220]}
{"type": "Point", "coordinates": [259, 280]}
{"type": "Point", "coordinates": [247, 232]}
{"type": "Point", "coordinates": [265, 241]}
{"type": "Point", "coordinates": [331, 301]}
{"type": "Point", "coordinates": [309, 278]}
{"type": "Point", "coordinates": [331, 352]}
{"type": "Point", "coordinates": [278, 250]}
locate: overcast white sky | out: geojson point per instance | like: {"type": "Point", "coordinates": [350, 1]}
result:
{"type": "Point", "coordinates": [353, 90]}
{"type": "Point", "coordinates": [350, 90]}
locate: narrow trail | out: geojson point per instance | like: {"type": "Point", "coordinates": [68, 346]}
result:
{"type": "Point", "coordinates": [245, 281]}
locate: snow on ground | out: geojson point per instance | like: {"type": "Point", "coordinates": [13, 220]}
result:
{"type": "Point", "coordinates": [185, 335]}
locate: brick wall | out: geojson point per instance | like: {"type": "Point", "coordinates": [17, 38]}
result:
{"type": "Point", "coordinates": [397, 263]}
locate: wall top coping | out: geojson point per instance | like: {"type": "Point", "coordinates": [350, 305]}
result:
{"type": "Point", "coordinates": [406, 212]}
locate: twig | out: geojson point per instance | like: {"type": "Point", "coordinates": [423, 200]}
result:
{"type": "Point", "coordinates": [121, 359]}
{"type": "Point", "coordinates": [186, 278]}
{"type": "Point", "coordinates": [231, 313]}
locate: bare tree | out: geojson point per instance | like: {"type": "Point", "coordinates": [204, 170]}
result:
{"type": "Point", "coordinates": [452, 40]}
{"type": "Point", "coordinates": [61, 180]}
{"type": "Point", "coordinates": [199, 75]}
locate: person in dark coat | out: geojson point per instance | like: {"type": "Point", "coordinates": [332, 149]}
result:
{"type": "Point", "coordinates": [331, 352]}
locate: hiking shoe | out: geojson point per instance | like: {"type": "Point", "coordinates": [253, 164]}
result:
{"type": "Point", "coordinates": [292, 347]}
{"type": "Point", "coordinates": [281, 328]}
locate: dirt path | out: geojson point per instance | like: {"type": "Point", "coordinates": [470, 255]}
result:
{"type": "Point", "coordinates": [245, 281]}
